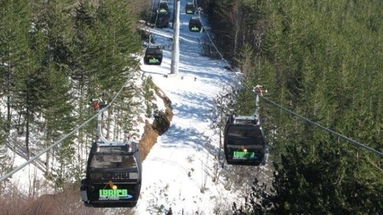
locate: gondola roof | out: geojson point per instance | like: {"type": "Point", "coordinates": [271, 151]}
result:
{"type": "Point", "coordinates": [195, 18]}
{"type": "Point", "coordinates": [245, 120]}
{"type": "Point", "coordinates": [153, 50]}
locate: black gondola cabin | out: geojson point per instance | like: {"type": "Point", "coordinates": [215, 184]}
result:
{"type": "Point", "coordinates": [153, 55]}
{"type": "Point", "coordinates": [163, 7]}
{"type": "Point", "coordinates": [195, 24]}
{"type": "Point", "coordinates": [189, 8]}
{"type": "Point", "coordinates": [162, 20]}
{"type": "Point", "coordinates": [113, 176]}
{"type": "Point", "coordinates": [162, 15]}
{"type": "Point", "coordinates": [244, 142]}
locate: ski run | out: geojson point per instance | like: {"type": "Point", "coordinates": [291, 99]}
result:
{"type": "Point", "coordinates": [178, 172]}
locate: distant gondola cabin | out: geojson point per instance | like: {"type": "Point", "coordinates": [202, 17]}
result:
{"type": "Point", "coordinates": [189, 8]}
{"type": "Point", "coordinates": [244, 142]}
{"type": "Point", "coordinates": [163, 15]}
{"type": "Point", "coordinates": [113, 176]}
{"type": "Point", "coordinates": [162, 20]}
{"type": "Point", "coordinates": [163, 7]}
{"type": "Point", "coordinates": [153, 55]}
{"type": "Point", "coordinates": [195, 24]}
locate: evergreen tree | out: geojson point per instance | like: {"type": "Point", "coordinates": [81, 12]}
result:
{"type": "Point", "coordinates": [57, 101]}
{"type": "Point", "coordinates": [15, 22]}
{"type": "Point", "coordinates": [321, 60]}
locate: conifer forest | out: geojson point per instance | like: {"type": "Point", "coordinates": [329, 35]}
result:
{"type": "Point", "coordinates": [321, 59]}
{"type": "Point", "coordinates": [56, 56]}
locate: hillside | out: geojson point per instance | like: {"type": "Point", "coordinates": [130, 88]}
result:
{"type": "Point", "coordinates": [320, 61]}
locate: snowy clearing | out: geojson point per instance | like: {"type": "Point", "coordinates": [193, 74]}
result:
{"type": "Point", "coordinates": [178, 172]}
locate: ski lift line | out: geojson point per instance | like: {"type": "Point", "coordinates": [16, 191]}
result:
{"type": "Point", "coordinates": [9, 174]}
{"type": "Point", "coordinates": [354, 142]}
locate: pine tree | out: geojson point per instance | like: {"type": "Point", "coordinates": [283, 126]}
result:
{"type": "Point", "coordinates": [314, 62]}
{"type": "Point", "coordinates": [57, 102]}
{"type": "Point", "coordinates": [15, 22]}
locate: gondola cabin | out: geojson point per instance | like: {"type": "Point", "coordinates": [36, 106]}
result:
{"type": "Point", "coordinates": [162, 20]}
{"type": "Point", "coordinates": [153, 55]}
{"type": "Point", "coordinates": [195, 24]}
{"type": "Point", "coordinates": [189, 8]}
{"type": "Point", "coordinates": [163, 15]}
{"type": "Point", "coordinates": [113, 175]}
{"type": "Point", "coordinates": [244, 142]}
{"type": "Point", "coordinates": [163, 7]}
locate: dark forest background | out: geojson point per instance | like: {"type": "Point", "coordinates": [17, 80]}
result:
{"type": "Point", "coordinates": [321, 59]}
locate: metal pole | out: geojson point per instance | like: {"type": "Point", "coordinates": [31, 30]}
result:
{"type": "Point", "coordinates": [99, 128]}
{"type": "Point", "coordinates": [176, 41]}
{"type": "Point", "coordinates": [257, 90]}
{"type": "Point", "coordinates": [174, 12]}
{"type": "Point", "coordinates": [257, 106]}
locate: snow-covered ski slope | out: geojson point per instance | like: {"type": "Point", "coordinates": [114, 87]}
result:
{"type": "Point", "coordinates": [178, 171]}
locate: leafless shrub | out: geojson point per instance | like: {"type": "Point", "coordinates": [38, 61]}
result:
{"type": "Point", "coordinates": [62, 203]}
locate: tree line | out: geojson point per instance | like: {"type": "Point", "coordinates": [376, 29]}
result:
{"type": "Point", "coordinates": [55, 57]}
{"type": "Point", "coordinates": [323, 60]}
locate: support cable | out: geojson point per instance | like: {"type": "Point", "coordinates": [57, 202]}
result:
{"type": "Point", "coordinates": [212, 42]}
{"type": "Point", "coordinates": [62, 138]}
{"type": "Point", "coordinates": [354, 142]}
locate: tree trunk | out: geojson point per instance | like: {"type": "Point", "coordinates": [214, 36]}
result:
{"type": "Point", "coordinates": [47, 158]}
{"type": "Point", "coordinates": [27, 131]}
{"type": "Point", "coordinates": [108, 119]}
{"type": "Point", "coordinates": [8, 127]}
{"type": "Point", "coordinates": [235, 41]}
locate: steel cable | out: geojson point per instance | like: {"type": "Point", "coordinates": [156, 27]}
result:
{"type": "Point", "coordinates": [354, 142]}
{"type": "Point", "coordinates": [65, 136]}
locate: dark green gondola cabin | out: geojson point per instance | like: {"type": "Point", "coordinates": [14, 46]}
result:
{"type": "Point", "coordinates": [195, 24]}
{"type": "Point", "coordinates": [162, 15]}
{"type": "Point", "coordinates": [244, 142]}
{"type": "Point", "coordinates": [113, 175]}
{"type": "Point", "coordinates": [189, 8]}
{"type": "Point", "coordinates": [153, 55]}
{"type": "Point", "coordinates": [163, 7]}
{"type": "Point", "coordinates": [162, 20]}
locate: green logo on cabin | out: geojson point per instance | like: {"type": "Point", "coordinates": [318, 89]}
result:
{"type": "Point", "coordinates": [189, 11]}
{"type": "Point", "coordinates": [114, 194]}
{"type": "Point", "coordinates": [194, 28]}
{"type": "Point", "coordinates": [153, 60]}
{"type": "Point", "coordinates": [163, 10]}
{"type": "Point", "coordinates": [243, 155]}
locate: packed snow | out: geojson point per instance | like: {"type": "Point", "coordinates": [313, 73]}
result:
{"type": "Point", "coordinates": [178, 172]}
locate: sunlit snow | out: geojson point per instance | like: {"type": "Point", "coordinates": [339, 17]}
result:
{"type": "Point", "coordinates": [179, 169]}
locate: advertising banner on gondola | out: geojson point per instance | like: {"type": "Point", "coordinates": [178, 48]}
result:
{"type": "Point", "coordinates": [114, 194]}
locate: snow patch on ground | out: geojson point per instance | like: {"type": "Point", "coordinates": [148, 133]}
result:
{"type": "Point", "coordinates": [29, 181]}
